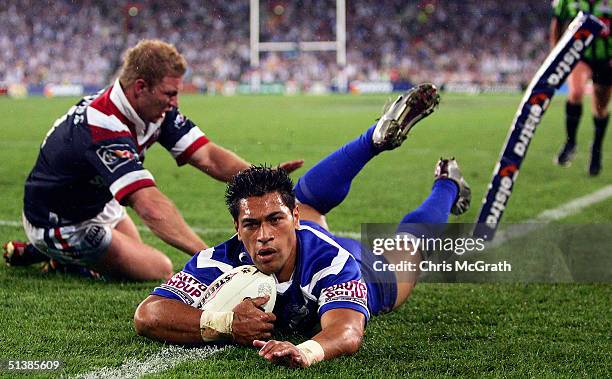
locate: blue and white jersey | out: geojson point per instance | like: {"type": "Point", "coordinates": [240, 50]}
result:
{"type": "Point", "coordinates": [326, 276]}
{"type": "Point", "coordinates": [94, 153]}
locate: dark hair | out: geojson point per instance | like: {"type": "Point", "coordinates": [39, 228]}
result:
{"type": "Point", "coordinates": [258, 181]}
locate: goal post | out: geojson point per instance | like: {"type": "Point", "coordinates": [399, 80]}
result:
{"type": "Point", "coordinates": [339, 45]}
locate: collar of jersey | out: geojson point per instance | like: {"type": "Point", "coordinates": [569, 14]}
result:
{"type": "Point", "coordinates": [118, 97]}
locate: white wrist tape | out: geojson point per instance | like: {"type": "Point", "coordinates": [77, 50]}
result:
{"type": "Point", "coordinates": [312, 350]}
{"type": "Point", "coordinates": [220, 322]}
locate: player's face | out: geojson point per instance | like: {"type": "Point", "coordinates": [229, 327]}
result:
{"type": "Point", "coordinates": [266, 227]}
{"type": "Point", "coordinates": [156, 100]}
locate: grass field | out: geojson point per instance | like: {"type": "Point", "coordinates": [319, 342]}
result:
{"type": "Point", "coordinates": [517, 330]}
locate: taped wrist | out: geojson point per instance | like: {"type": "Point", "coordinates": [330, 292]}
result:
{"type": "Point", "coordinates": [312, 350]}
{"type": "Point", "coordinates": [216, 326]}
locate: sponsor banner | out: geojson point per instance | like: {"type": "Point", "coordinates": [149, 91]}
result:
{"type": "Point", "coordinates": [263, 88]}
{"type": "Point", "coordinates": [551, 76]}
{"type": "Point", "coordinates": [17, 91]}
{"type": "Point", "coordinates": [371, 87]}
{"type": "Point", "coordinates": [474, 89]}
{"type": "Point", "coordinates": [52, 90]}
{"type": "Point", "coordinates": [521, 253]}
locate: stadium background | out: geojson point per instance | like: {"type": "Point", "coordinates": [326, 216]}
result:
{"type": "Point", "coordinates": [66, 47]}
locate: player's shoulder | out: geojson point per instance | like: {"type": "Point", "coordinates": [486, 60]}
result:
{"type": "Point", "coordinates": [224, 256]}
{"type": "Point", "coordinates": [321, 254]}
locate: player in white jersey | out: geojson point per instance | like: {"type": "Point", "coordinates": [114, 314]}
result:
{"type": "Point", "coordinates": [90, 165]}
{"type": "Point", "coordinates": [327, 286]}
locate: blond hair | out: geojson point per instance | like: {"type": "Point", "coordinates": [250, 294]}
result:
{"type": "Point", "coordinates": [151, 60]}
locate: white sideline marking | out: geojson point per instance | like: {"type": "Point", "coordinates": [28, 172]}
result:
{"type": "Point", "coordinates": [163, 360]}
{"type": "Point", "coordinates": [568, 209]}
{"type": "Point", "coordinates": [200, 230]}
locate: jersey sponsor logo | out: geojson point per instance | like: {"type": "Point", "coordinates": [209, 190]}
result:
{"type": "Point", "coordinates": [185, 286]}
{"type": "Point", "coordinates": [353, 291]}
{"type": "Point", "coordinates": [116, 155]}
{"type": "Point", "coordinates": [95, 235]}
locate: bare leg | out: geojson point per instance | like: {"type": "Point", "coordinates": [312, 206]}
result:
{"type": "Point", "coordinates": [127, 227]}
{"type": "Point", "coordinates": [577, 82]}
{"type": "Point", "coordinates": [130, 259]}
{"type": "Point", "coordinates": [601, 99]}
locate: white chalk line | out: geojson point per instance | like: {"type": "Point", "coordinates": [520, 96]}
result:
{"type": "Point", "coordinates": [568, 209]}
{"type": "Point", "coordinates": [163, 360]}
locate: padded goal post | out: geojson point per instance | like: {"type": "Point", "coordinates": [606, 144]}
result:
{"type": "Point", "coordinates": [549, 77]}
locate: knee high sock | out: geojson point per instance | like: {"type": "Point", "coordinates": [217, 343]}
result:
{"type": "Point", "coordinates": [601, 125]}
{"type": "Point", "coordinates": [573, 112]}
{"type": "Point", "coordinates": [434, 210]}
{"type": "Point", "coordinates": [326, 184]}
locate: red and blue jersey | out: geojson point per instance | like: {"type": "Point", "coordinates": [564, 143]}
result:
{"type": "Point", "coordinates": [327, 276]}
{"type": "Point", "coordinates": [96, 152]}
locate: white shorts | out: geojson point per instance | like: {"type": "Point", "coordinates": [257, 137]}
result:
{"type": "Point", "coordinates": [83, 243]}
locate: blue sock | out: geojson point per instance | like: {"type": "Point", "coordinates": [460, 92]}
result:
{"type": "Point", "coordinates": [326, 184]}
{"type": "Point", "coordinates": [434, 210]}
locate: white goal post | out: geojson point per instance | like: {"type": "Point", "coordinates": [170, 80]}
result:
{"type": "Point", "coordinates": [339, 45]}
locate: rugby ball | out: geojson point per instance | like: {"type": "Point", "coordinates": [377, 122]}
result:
{"type": "Point", "coordinates": [229, 289]}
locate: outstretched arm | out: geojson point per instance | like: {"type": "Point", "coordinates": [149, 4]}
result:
{"type": "Point", "coordinates": [222, 164]}
{"type": "Point", "coordinates": [341, 334]}
{"type": "Point", "coordinates": [171, 321]}
{"type": "Point", "coordinates": [162, 217]}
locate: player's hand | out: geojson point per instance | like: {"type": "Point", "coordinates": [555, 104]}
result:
{"type": "Point", "coordinates": [250, 322]}
{"type": "Point", "coordinates": [291, 166]}
{"type": "Point", "coordinates": [281, 352]}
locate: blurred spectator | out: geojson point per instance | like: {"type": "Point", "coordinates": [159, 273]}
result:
{"type": "Point", "coordinates": [80, 41]}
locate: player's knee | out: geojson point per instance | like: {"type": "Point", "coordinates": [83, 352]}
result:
{"type": "Point", "coordinates": [165, 268]}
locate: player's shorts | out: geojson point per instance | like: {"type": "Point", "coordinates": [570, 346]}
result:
{"type": "Point", "coordinates": [83, 243]}
{"type": "Point", "coordinates": [602, 71]}
{"type": "Point", "coordinates": [382, 286]}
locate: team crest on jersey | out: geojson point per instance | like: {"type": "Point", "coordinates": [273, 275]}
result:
{"type": "Point", "coordinates": [179, 121]}
{"type": "Point", "coordinates": [116, 155]}
{"type": "Point", "coordinates": [353, 291]}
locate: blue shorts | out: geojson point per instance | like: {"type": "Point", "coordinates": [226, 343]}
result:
{"type": "Point", "coordinates": [382, 286]}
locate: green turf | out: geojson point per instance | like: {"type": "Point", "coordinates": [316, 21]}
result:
{"type": "Point", "coordinates": [444, 330]}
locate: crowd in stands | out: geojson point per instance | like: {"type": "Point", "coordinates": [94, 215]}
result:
{"type": "Point", "coordinates": [81, 41]}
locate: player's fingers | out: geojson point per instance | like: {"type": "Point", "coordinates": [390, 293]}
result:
{"type": "Point", "coordinates": [284, 351]}
{"type": "Point", "coordinates": [267, 327]}
{"type": "Point", "coordinates": [276, 347]}
{"type": "Point", "coordinates": [267, 347]}
{"type": "Point", "coordinates": [259, 343]}
{"type": "Point", "coordinates": [271, 317]}
{"type": "Point", "coordinates": [290, 166]}
{"type": "Point", "coordinates": [259, 301]}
